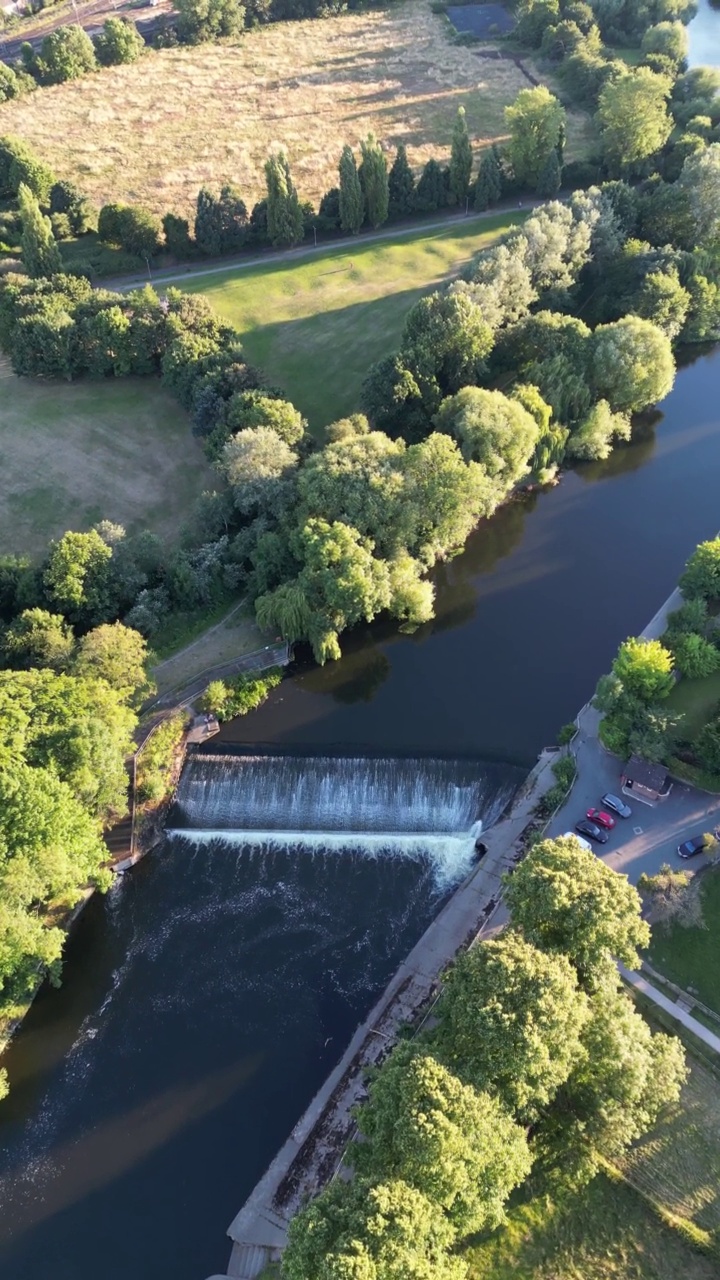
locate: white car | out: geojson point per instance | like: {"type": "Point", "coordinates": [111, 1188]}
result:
{"type": "Point", "coordinates": [584, 844]}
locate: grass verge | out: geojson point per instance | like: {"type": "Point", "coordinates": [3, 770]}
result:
{"type": "Point", "coordinates": [193, 644]}
{"type": "Point", "coordinates": [695, 701]}
{"type": "Point", "coordinates": [690, 957]}
{"type": "Point", "coordinates": [316, 327]}
{"type": "Point", "coordinates": [155, 131]}
{"type": "Point", "coordinates": [75, 453]}
{"type": "Point", "coordinates": [604, 1232]}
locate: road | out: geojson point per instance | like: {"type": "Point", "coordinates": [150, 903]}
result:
{"type": "Point", "coordinates": [192, 270]}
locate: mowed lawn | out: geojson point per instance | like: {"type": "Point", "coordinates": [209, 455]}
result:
{"type": "Point", "coordinates": [156, 131]}
{"type": "Point", "coordinates": [604, 1232]}
{"type": "Point", "coordinates": [73, 453]}
{"type": "Point", "coordinates": [316, 327]}
{"type": "Point", "coordinates": [690, 957]}
{"type": "Point", "coordinates": [695, 701]}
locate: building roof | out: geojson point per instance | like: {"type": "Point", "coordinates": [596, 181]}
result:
{"type": "Point", "coordinates": [651, 776]}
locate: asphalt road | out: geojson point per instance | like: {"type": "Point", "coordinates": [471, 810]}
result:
{"type": "Point", "coordinates": [643, 842]}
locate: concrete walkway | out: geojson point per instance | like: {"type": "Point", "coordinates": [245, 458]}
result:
{"type": "Point", "coordinates": [316, 1145]}
{"type": "Point", "coordinates": [675, 1010]}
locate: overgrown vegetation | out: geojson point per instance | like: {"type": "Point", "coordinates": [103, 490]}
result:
{"type": "Point", "coordinates": [538, 1061]}
{"type": "Point", "coordinates": [156, 760]}
{"type": "Point", "coordinates": [229, 698]}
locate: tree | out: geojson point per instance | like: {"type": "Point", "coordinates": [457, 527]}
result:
{"type": "Point", "coordinates": [355, 1231]}
{"type": "Point", "coordinates": [221, 222]}
{"type": "Point", "coordinates": [77, 577]}
{"type": "Point", "coordinates": [445, 342]}
{"type": "Point", "coordinates": [207, 19]}
{"type": "Point", "coordinates": [454, 1145]}
{"type": "Point", "coordinates": [37, 638]}
{"type": "Point", "coordinates": [284, 214]}
{"type": "Point", "coordinates": [431, 192]}
{"type": "Point", "coordinates": [359, 479]}
{"type": "Point", "coordinates": [510, 1022]}
{"type": "Point", "coordinates": [633, 118]}
{"type": "Point", "coordinates": [700, 183]}
{"type": "Point", "coordinates": [445, 498]}
{"type": "Point", "coordinates": [672, 899]}
{"type": "Point", "coordinates": [667, 39]}
{"type": "Point", "coordinates": [252, 409]}
{"type": "Point", "coordinates": [39, 250]}
{"type": "Point", "coordinates": [491, 429]}
{"type": "Point", "coordinates": [260, 468]}
{"type": "Point", "coordinates": [701, 577]}
{"type": "Point", "coordinates": [119, 656]}
{"type": "Point", "coordinates": [178, 240]}
{"type": "Point", "coordinates": [616, 1090]}
{"type": "Point", "coordinates": [10, 84]}
{"type": "Point", "coordinates": [460, 159]}
{"type": "Point", "coordinates": [644, 668]}
{"type": "Point", "coordinates": [534, 121]}
{"type": "Point", "coordinates": [695, 657]}
{"type": "Point", "coordinates": [352, 211]}
{"type": "Point", "coordinates": [118, 43]}
{"type": "Point", "coordinates": [597, 432]}
{"type": "Point", "coordinates": [632, 364]}
{"type": "Point", "coordinates": [374, 180]}
{"type": "Point", "coordinates": [66, 198]}
{"type": "Point", "coordinates": [566, 900]}
{"type": "Point", "coordinates": [663, 300]}
{"type": "Point", "coordinates": [401, 186]}
{"type": "Point", "coordinates": [488, 184]}
{"type": "Point", "coordinates": [66, 54]}
{"type": "Point", "coordinates": [550, 178]}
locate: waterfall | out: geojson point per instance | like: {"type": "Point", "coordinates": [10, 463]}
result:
{"type": "Point", "coordinates": [420, 808]}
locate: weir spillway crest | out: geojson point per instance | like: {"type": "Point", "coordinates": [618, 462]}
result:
{"type": "Point", "coordinates": [418, 808]}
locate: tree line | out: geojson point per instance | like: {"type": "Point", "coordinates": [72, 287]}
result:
{"type": "Point", "coordinates": [538, 1068]}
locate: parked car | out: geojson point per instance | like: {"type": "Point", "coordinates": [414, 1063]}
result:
{"type": "Point", "coordinates": [690, 847]}
{"type": "Point", "coordinates": [592, 830]}
{"type": "Point", "coordinates": [585, 844]}
{"type": "Point", "coordinates": [617, 805]}
{"type": "Point", "coordinates": [601, 818]}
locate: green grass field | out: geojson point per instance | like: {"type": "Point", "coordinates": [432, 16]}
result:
{"type": "Point", "coordinates": [690, 957]}
{"type": "Point", "coordinates": [316, 328]}
{"type": "Point", "coordinates": [75, 453]}
{"type": "Point", "coordinates": [695, 701]}
{"type": "Point", "coordinates": [605, 1232]}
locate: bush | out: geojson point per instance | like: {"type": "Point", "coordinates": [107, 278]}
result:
{"type": "Point", "coordinates": [228, 698]}
{"type": "Point", "coordinates": [565, 770]}
{"type": "Point", "coordinates": [567, 733]}
{"type": "Point", "coordinates": [131, 227]}
{"type": "Point", "coordinates": [119, 42]}
{"type": "Point", "coordinates": [155, 760]}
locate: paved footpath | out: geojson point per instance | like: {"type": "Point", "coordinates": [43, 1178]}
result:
{"type": "Point", "coordinates": [675, 1010]}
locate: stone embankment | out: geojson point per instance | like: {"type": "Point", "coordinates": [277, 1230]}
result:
{"type": "Point", "coordinates": [314, 1150]}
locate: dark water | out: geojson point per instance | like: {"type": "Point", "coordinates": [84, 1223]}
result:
{"type": "Point", "coordinates": [151, 1091]}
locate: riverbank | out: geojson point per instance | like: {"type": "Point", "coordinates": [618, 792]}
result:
{"type": "Point", "coordinates": [314, 1150]}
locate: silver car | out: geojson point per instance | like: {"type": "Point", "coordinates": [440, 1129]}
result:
{"type": "Point", "coordinates": [617, 805]}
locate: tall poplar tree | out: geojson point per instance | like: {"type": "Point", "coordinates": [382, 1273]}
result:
{"type": "Point", "coordinates": [460, 160]}
{"type": "Point", "coordinates": [401, 186]}
{"type": "Point", "coordinates": [352, 209]}
{"type": "Point", "coordinates": [39, 250]}
{"type": "Point", "coordinates": [375, 181]}
{"type": "Point", "coordinates": [284, 214]}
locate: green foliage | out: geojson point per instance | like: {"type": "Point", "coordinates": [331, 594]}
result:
{"type": "Point", "coordinates": [401, 186]}
{"type": "Point", "coordinates": [491, 429]}
{"type": "Point", "coordinates": [700, 182]}
{"type": "Point", "coordinates": [252, 409]}
{"type": "Point", "coordinates": [694, 656]}
{"type": "Point", "coordinates": [701, 577]}
{"type": "Point", "coordinates": [65, 54]}
{"type": "Point", "coordinates": [566, 900]}
{"type": "Point", "coordinates": [156, 759]}
{"type": "Point", "coordinates": [352, 209]}
{"type": "Point", "coordinates": [432, 191]}
{"type": "Point", "coordinates": [488, 184]}
{"type": "Point", "coordinates": [40, 253]}
{"type": "Point", "coordinates": [454, 1145]}
{"type": "Point", "coordinates": [221, 222]}
{"type": "Point", "coordinates": [18, 164]}
{"type": "Point", "coordinates": [565, 769]}
{"type": "Point", "coordinates": [178, 240]}
{"type": "Point", "coordinates": [598, 431]}
{"type": "Point", "coordinates": [260, 468]}
{"type": "Point", "coordinates": [668, 39]}
{"type": "Point", "coordinates": [374, 181]}
{"type": "Point", "coordinates": [460, 160]}
{"type": "Point", "coordinates": [566, 733]}
{"type": "Point", "coordinates": [77, 577]}
{"type": "Point", "coordinates": [633, 118]}
{"type": "Point", "coordinates": [130, 226]}
{"type": "Point", "coordinates": [534, 121]}
{"type": "Point", "coordinates": [355, 1231]}
{"type": "Point", "coordinates": [284, 214]}
{"type": "Point", "coordinates": [67, 199]}
{"type": "Point", "coordinates": [548, 183]}
{"type": "Point", "coordinates": [229, 698]}
{"type": "Point", "coordinates": [208, 19]}
{"type": "Point", "coordinates": [511, 1018]}
{"type": "Point", "coordinates": [36, 638]}
{"type": "Point", "coordinates": [632, 364]}
{"type": "Point", "coordinates": [119, 656]}
{"type": "Point", "coordinates": [644, 667]}
{"type": "Point", "coordinates": [118, 43]}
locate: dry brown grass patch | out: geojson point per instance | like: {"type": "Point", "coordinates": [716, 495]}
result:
{"type": "Point", "coordinates": [157, 130]}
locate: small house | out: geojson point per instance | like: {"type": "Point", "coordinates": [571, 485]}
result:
{"type": "Point", "coordinates": [645, 781]}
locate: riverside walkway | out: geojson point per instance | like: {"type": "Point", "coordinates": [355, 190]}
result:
{"type": "Point", "coordinates": [314, 1150]}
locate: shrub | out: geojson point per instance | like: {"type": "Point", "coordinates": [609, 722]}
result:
{"type": "Point", "coordinates": [119, 42]}
{"type": "Point", "coordinates": [155, 760]}
{"type": "Point", "coordinates": [228, 698]}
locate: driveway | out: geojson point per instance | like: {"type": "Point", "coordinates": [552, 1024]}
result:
{"type": "Point", "coordinates": [643, 842]}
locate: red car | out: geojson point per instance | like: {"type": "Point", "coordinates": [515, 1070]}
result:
{"type": "Point", "coordinates": [601, 818]}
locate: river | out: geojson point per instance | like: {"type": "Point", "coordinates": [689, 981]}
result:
{"type": "Point", "coordinates": [205, 999]}
{"type": "Point", "coordinates": [704, 33]}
